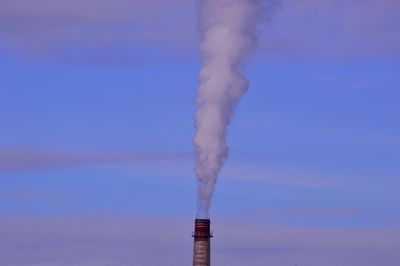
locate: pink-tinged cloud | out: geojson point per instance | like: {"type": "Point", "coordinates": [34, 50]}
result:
{"type": "Point", "coordinates": [17, 160]}
{"type": "Point", "coordinates": [335, 28]}
{"type": "Point", "coordinates": [33, 194]}
{"type": "Point", "coordinates": [146, 241]}
{"type": "Point", "coordinates": [282, 176]}
{"type": "Point", "coordinates": [117, 31]}
{"type": "Point", "coordinates": [95, 31]}
{"type": "Point", "coordinates": [310, 213]}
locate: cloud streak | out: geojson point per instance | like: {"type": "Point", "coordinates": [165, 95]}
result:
{"type": "Point", "coordinates": [118, 32]}
{"type": "Point", "coordinates": [33, 194]}
{"type": "Point", "coordinates": [91, 31]}
{"type": "Point", "coordinates": [20, 160]}
{"type": "Point", "coordinates": [335, 28]}
{"type": "Point", "coordinates": [133, 240]}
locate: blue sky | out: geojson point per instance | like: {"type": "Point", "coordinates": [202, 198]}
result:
{"type": "Point", "coordinates": [96, 127]}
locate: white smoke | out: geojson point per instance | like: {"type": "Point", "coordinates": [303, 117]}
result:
{"type": "Point", "coordinates": [228, 35]}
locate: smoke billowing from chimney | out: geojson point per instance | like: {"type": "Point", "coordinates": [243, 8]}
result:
{"type": "Point", "coordinates": [228, 35]}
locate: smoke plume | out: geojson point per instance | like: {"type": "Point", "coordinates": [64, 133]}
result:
{"type": "Point", "coordinates": [228, 31]}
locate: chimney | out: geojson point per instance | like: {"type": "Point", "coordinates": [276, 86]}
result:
{"type": "Point", "coordinates": [201, 248]}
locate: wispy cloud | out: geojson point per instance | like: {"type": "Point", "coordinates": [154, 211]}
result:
{"type": "Point", "coordinates": [133, 240]}
{"type": "Point", "coordinates": [32, 194]}
{"type": "Point", "coordinates": [95, 31]}
{"type": "Point", "coordinates": [105, 31]}
{"type": "Point", "coordinates": [22, 159]}
{"type": "Point", "coordinates": [335, 28]}
{"type": "Point", "coordinates": [280, 175]}
{"type": "Point", "coordinates": [384, 216]}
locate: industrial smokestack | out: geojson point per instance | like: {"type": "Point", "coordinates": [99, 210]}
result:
{"type": "Point", "coordinates": [202, 240]}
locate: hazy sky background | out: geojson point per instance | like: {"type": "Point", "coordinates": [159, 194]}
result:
{"type": "Point", "coordinates": [96, 124]}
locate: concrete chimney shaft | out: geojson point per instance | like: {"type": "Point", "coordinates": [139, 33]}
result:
{"type": "Point", "coordinates": [202, 236]}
